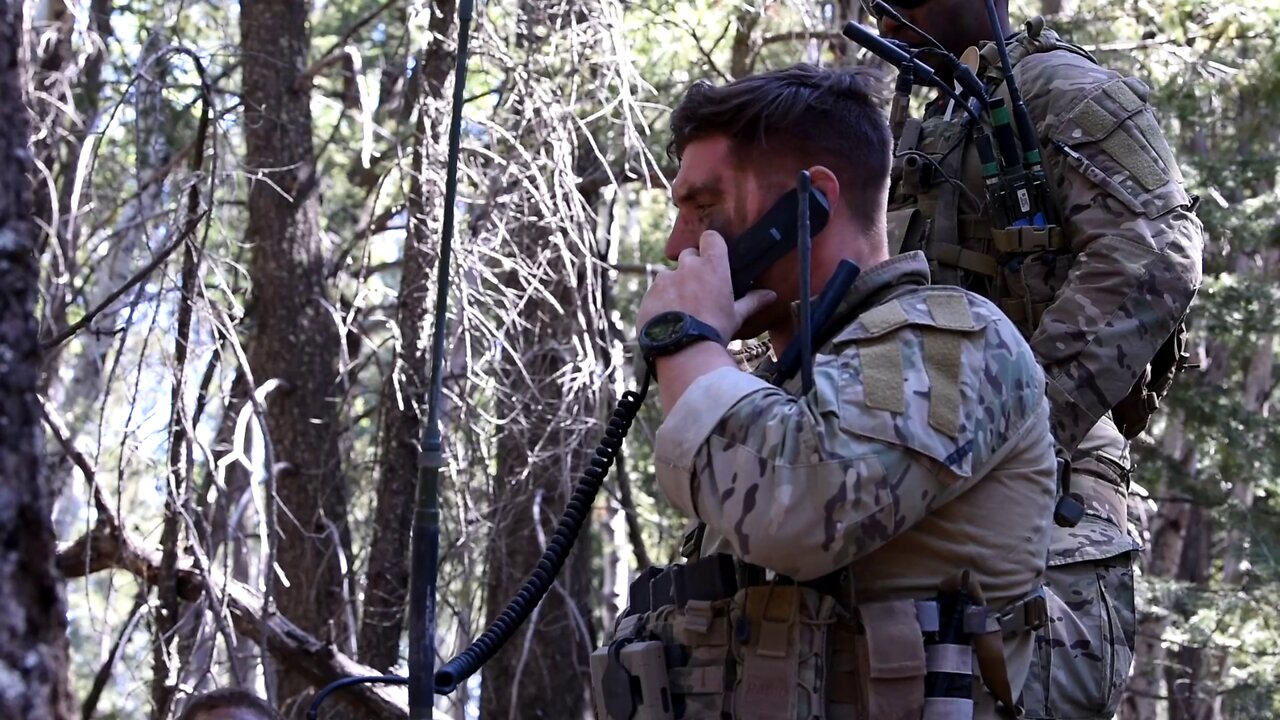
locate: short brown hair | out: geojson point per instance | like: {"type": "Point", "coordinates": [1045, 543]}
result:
{"type": "Point", "coordinates": [226, 699]}
{"type": "Point", "coordinates": [814, 115]}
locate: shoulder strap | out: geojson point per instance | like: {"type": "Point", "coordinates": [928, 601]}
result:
{"type": "Point", "coordinates": [1035, 38]}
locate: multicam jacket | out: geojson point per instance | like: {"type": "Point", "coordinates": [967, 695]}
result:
{"type": "Point", "coordinates": [926, 428]}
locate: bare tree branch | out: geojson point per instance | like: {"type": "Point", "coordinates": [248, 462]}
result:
{"type": "Point", "coordinates": [100, 678]}
{"type": "Point", "coordinates": [334, 53]}
{"type": "Point", "coordinates": [825, 36]}
{"type": "Point", "coordinates": [179, 432]}
{"type": "Point", "coordinates": [109, 546]}
{"type": "Point", "coordinates": [137, 277]}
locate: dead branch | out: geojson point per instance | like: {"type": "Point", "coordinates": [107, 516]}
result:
{"type": "Point", "coordinates": [792, 36]}
{"type": "Point", "coordinates": [90, 704]}
{"type": "Point", "coordinates": [599, 179]}
{"type": "Point", "coordinates": [108, 545]}
{"type": "Point", "coordinates": [137, 277]}
{"type": "Point", "coordinates": [333, 54]}
{"type": "Point", "coordinates": [179, 430]}
{"type": "Point", "coordinates": [256, 400]}
{"type": "Point", "coordinates": [62, 436]}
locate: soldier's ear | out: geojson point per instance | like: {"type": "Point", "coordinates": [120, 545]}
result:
{"type": "Point", "coordinates": [825, 180]}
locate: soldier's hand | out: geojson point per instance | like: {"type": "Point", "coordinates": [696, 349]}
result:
{"type": "Point", "coordinates": [701, 286]}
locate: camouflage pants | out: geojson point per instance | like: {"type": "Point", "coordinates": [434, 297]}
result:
{"type": "Point", "coordinates": [1084, 654]}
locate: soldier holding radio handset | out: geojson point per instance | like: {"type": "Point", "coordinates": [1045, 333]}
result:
{"type": "Point", "coordinates": [842, 562]}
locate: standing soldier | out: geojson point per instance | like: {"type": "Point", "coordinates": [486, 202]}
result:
{"type": "Point", "coordinates": [1099, 284]}
{"type": "Point", "coordinates": [874, 524]}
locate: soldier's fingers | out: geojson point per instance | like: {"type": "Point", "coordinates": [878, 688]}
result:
{"type": "Point", "coordinates": [712, 246]}
{"type": "Point", "coordinates": [753, 302]}
{"type": "Point", "coordinates": [686, 254]}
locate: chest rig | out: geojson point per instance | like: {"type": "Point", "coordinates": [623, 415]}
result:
{"type": "Point", "coordinates": [940, 204]}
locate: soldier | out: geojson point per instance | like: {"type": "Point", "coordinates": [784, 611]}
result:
{"type": "Point", "coordinates": [1101, 297]}
{"type": "Point", "coordinates": [868, 547]}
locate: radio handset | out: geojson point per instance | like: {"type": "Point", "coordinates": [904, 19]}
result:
{"type": "Point", "coordinates": [772, 237]}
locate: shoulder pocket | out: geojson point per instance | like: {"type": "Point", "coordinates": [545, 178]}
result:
{"type": "Point", "coordinates": [1116, 142]}
{"type": "Point", "coordinates": [911, 381]}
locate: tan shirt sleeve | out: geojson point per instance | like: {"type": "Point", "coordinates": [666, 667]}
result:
{"type": "Point", "coordinates": [804, 486]}
{"type": "Point", "coordinates": [702, 406]}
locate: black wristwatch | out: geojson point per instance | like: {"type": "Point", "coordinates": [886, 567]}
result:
{"type": "Point", "coordinates": [671, 331]}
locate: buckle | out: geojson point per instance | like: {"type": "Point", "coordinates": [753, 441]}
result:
{"type": "Point", "coordinates": [692, 541]}
{"type": "Point", "coordinates": [1029, 613]}
{"type": "Point", "coordinates": [619, 702]}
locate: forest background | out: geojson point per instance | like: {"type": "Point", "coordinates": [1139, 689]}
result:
{"type": "Point", "coordinates": [235, 217]}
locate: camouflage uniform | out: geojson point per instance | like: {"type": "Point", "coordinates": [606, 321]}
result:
{"type": "Point", "coordinates": [1102, 306]}
{"type": "Point", "coordinates": [926, 429]}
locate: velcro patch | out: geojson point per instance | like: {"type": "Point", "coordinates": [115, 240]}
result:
{"type": "Point", "coordinates": [1133, 158]}
{"type": "Point", "coordinates": [1107, 126]}
{"type": "Point", "coordinates": [942, 360]}
{"type": "Point", "coordinates": [950, 310]}
{"type": "Point", "coordinates": [1093, 120]}
{"type": "Point", "coordinates": [1121, 93]}
{"type": "Point", "coordinates": [882, 380]}
{"type": "Point", "coordinates": [883, 318]}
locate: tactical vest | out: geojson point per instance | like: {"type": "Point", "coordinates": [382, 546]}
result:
{"type": "Point", "coordinates": [938, 205]}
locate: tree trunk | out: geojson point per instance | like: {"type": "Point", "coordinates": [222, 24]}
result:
{"type": "Point", "coordinates": [543, 671]}
{"type": "Point", "coordinates": [294, 340]}
{"type": "Point", "coordinates": [1160, 565]}
{"type": "Point", "coordinates": [405, 388]}
{"type": "Point", "coordinates": [1185, 675]}
{"type": "Point", "coordinates": [844, 52]}
{"type": "Point", "coordinates": [1057, 8]}
{"type": "Point", "coordinates": [744, 42]}
{"type": "Point", "coordinates": [33, 621]}
{"type": "Point", "coordinates": [547, 404]}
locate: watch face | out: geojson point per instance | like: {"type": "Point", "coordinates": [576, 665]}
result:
{"type": "Point", "coordinates": [665, 327]}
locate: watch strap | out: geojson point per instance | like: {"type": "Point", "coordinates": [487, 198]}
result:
{"type": "Point", "coordinates": [694, 330]}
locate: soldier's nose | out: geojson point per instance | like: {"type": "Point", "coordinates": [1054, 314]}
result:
{"type": "Point", "coordinates": [677, 243]}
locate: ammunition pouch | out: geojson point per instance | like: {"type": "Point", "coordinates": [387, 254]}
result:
{"type": "Point", "coordinates": [629, 679]}
{"type": "Point", "coordinates": [763, 651]}
{"type": "Point", "coordinates": [1034, 264]}
{"type": "Point", "coordinates": [733, 645]}
{"type": "Point", "coordinates": [1027, 239]}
